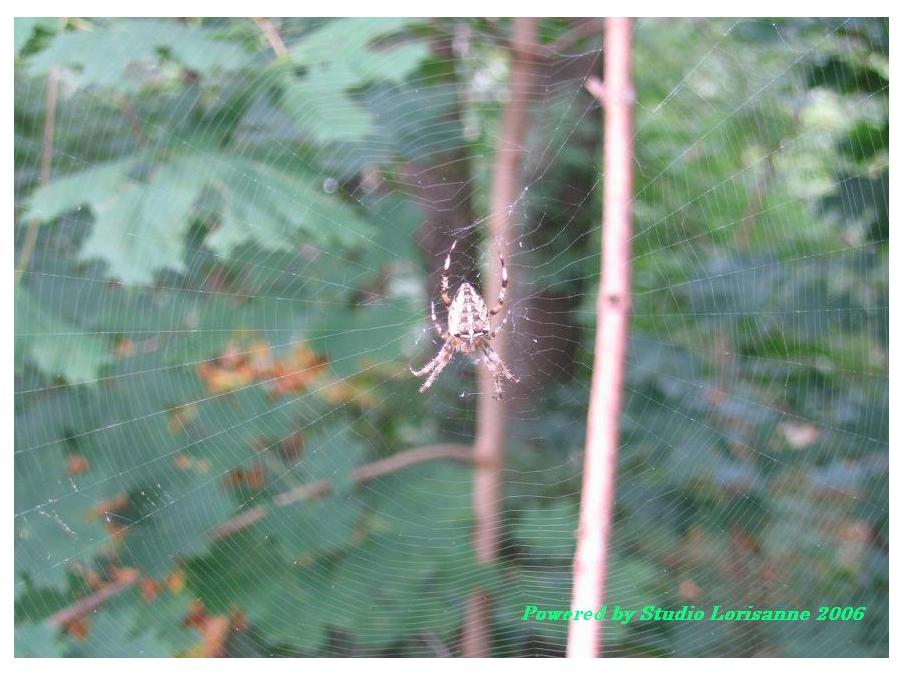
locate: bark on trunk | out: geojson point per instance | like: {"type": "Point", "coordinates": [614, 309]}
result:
{"type": "Point", "coordinates": [603, 428]}
{"type": "Point", "coordinates": [490, 438]}
{"type": "Point", "coordinates": [442, 183]}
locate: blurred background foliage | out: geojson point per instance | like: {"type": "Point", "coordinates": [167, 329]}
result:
{"type": "Point", "coordinates": [230, 270]}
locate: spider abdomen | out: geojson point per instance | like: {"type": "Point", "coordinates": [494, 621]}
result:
{"type": "Point", "coordinates": [468, 318]}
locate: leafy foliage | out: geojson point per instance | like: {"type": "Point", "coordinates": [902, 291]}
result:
{"type": "Point", "coordinates": [226, 288]}
{"type": "Point", "coordinates": [320, 99]}
{"type": "Point", "coordinates": [159, 206]}
{"type": "Point", "coordinates": [104, 56]}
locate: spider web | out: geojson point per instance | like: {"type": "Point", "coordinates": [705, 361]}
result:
{"type": "Point", "coordinates": [178, 380]}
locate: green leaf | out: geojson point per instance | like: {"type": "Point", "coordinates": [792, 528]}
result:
{"type": "Point", "coordinates": [140, 223]}
{"type": "Point", "coordinates": [325, 111]}
{"type": "Point", "coordinates": [172, 522]}
{"type": "Point", "coordinates": [37, 640]}
{"type": "Point", "coordinates": [54, 526]}
{"type": "Point", "coordinates": [51, 524]}
{"type": "Point", "coordinates": [142, 228]}
{"type": "Point", "coordinates": [383, 328]}
{"type": "Point", "coordinates": [91, 187]}
{"type": "Point", "coordinates": [388, 587]}
{"type": "Point", "coordinates": [549, 531]}
{"type": "Point", "coordinates": [324, 524]}
{"type": "Point", "coordinates": [420, 561]}
{"type": "Point", "coordinates": [143, 210]}
{"type": "Point", "coordinates": [25, 29]}
{"type": "Point", "coordinates": [103, 56]}
{"type": "Point", "coordinates": [283, 602]}
{"type": "Point", "coordinates": [320, 100]}
{"type": "Point", "coordinates": [120, 628]}
{"type": "Point", "coordinates": [270, 206]}
{"type": "Point", "coordinates": [55, 346]}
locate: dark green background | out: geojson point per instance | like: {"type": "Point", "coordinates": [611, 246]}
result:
{"type": "Point", "coordinates": [207, 197]}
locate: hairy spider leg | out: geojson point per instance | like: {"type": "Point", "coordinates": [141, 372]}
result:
{"type": "Point", "coordinates": [503, 282]}
{"type": "Point", "coordinates": [492, 368]}
{"type": "Point", "coordinates": [443, 358]}
{"type": "Point", "coordinates": [444, 279]}
{"type": "Point", "coordinates": [498, 369]}
{"type": "Point", "coordinates": [440, 331]}
{"type": "Point", "coordinates": [428, 367]}
{"type": "Point", "coordinates": [501, 366]}
{"type": "Point", "coordinates": [500, 325]}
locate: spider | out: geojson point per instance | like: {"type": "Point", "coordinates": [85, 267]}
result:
{"type": "Point", "coordinates": [468, 330]}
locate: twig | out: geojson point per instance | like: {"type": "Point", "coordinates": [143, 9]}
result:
{"type": "Point", "coordinates": [83, 607]}
{"type": "Point", "coordinates": [31, 236]}
{"type": "Point", "coordinates": [237, 523]}
{"type": "Point", "coordinates": [407, 458]}
{"type": "Point", "coordinates": [596, 89]}
{"type": "Point", "coordinates": [77, 23]}
{"type": "Point", "coordinates": [359, 475]}
{"type": "Point", "coordinates": [272, 35]}
{"type": "Point", "coordinates": [490, 437]}
{"type": "Point", "coordinates": [367, 472]}
{"type": "Point", "coordinates": [602, 437]}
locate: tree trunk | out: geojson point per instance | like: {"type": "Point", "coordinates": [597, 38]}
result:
{"type": "Point", "coordinates": [490, 438]}
{"type": "Point", "coordinates": [442, 182]}
{"type": "Point", "coordinates": [603, 427]}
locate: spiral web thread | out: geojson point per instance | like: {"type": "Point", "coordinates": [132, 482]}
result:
{"type": "Point", "coordinates": [754, 465]}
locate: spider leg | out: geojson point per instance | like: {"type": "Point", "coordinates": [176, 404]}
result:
{"type": "Point", "coordinates": [498, 382]}
{"type": "Point", "coordinates": [499, 367]}
{"type": "Point", "coordinates": [440, 331]}
{"type": "Point", "coordinates": [502, 323]}
{"type": "Point", "coordinates": [503, 281]}
{"type": "Point", "coordinates": [428, 368]}
{"type": "Point", "coordinates": [430, 365]}
{"type": "Point", "coordinates": [444, 279]}
{"type": "Point", "coordinates": [443, 358]}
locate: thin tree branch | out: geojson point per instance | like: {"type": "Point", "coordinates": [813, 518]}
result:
{"type": "Point", "coordinates": [363, 474]}
{"type": "Point", "coordinates": [126, 579]}
{"type": "Point", "coordinates": [77, 23]}
{"type": "Point", "coordinates": [603, 428]}
{"type": "Point", "coordinates": [31, 236]}
{"type": "Point", "coordinates": [490, 438]}
{"type": "Point", "coordinates": [272, 35]}
{"type": "Point", "coordinates": [596, 89]}
{"type": "Point", "coordinates": [359, 475]}
{"type": "Point", "coordinates": [408, 458]}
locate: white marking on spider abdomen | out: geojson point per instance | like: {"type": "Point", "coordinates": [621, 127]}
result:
{"type": "Point", "coordinates": [468, 316]}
